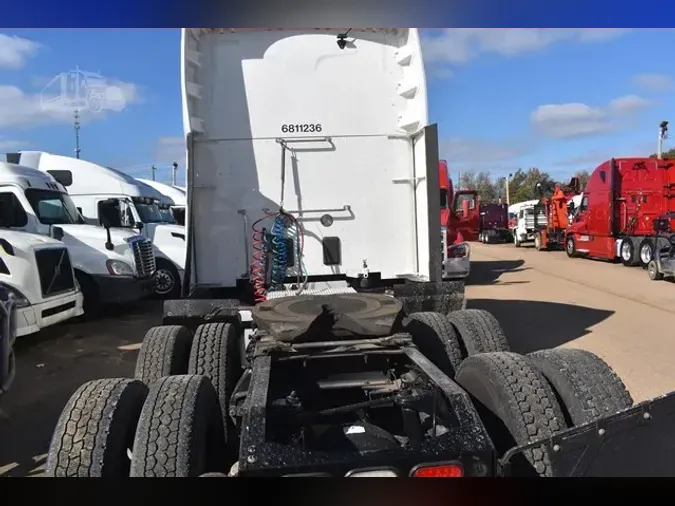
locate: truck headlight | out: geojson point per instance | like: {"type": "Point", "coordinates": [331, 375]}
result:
{"type": "Point", "coordinates": [20, 299]}
{"type": "Point", "coordinates": [119, 268]}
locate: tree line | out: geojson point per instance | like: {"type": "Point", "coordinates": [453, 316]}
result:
{"type": "Point", "coordinates": [522, 185]}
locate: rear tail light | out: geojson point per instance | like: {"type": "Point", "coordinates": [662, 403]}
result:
{"type": "Point", "coordinates": [438, 471]}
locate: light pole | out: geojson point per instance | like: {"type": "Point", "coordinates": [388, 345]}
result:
{"type": "Point", "coordinates": [508, 196]}
{"type": "Point", "coordinates": [663, 134]}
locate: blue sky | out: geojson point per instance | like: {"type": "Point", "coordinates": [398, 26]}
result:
{"type": "Point", "coordinates": [560, 100]}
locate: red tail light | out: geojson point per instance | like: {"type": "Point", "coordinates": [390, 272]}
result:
{"type": "Point", "coordinates": [439, 471]}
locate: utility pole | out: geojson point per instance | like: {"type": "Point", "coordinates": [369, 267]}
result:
{"type": "Point", "coordinates": [76, 126]}
{"type": "Point", "coordinates": [154, 170]}
{"type": "Point", "coordinates": [508, 195]}
{"type": "Point", "coordinates": [663, 134]}
{"type": "Point", "coordinates": [173, 174]}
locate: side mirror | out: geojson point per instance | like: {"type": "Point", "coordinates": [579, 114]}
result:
{"type": "Point", "coordinates": [57, 233]}
{"type": "Point", "coordinates": [139, 225]}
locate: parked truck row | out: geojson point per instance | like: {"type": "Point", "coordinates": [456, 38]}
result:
{"type": "Point", "coordinates": [625, 213]}
{"type": "Point", "coordinates": [75, 237]}
{"type": "Point", "coordinates": [317, 333]}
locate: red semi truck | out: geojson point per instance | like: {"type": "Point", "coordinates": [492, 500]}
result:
{"type": "Point", "coordinates": [616, 217]}
{"type": "Point", "coordinates": [459, 209]}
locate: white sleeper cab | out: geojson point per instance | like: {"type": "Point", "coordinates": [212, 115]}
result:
{"type": "Point", "coordinates": [37, 271]}
{"type": "Point", "coordinates": [176, 196]}
{"type": "Point", "coordinates": [136, 204]}
{"type": "Point", "coordinates": [111, 265]}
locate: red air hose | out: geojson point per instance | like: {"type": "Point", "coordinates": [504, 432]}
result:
{"type": "Point", "coordinates": [259, 260]}
{"type": "Point", "coordinates": [258, 265]}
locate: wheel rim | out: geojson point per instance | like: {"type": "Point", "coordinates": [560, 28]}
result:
{"type": "Point", "coordinates": [537, 242]}
{"type": "Point", "coordinates": [164, 281]}
{"type": "Point", "coordinates": [646, 253]}
{"type": "Point", "coordinates": [652, 270]}
{"type": "Point", "coordinates": [626, 251]}
{"type": "Point", "coordinates": [570, 246]}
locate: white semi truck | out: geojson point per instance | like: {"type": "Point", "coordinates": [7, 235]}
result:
{"type": "Point", "coordinates": [176, 198]}
{"type": "Point", "coordinates": [94, 185]}
{"type": "Point", "coordinates": [37, 271]}
{"type": "Point", "coordinates": [317, 336]}
{"type": "Point", "coordinates": [524, 230]}
{"type": "Point", "coordinates": [111, 265]}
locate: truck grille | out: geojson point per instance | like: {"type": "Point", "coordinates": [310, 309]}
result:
{"type": "Point", "coordinates": [55, 271]}
{"type": "Point", "coordinates": [145, 258]}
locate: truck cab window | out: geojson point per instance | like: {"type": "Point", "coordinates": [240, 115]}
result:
{"type": "Point", "coordinates": [584, 205]}
{"type": "Point", "coordinates": [12, 213]}
{"type": "Point", "coordinates": [148, 210]}
{"type": "Point", "coordinates": [53, 207]}
{"type": "Point", "coordinates": [444, 199]}
{"type": "Point", "coordinates": [461, 198]}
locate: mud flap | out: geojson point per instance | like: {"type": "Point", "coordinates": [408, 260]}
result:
{"type": "Point", "coordinates": [637, 442]}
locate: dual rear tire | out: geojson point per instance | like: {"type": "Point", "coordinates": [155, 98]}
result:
{"type": "Point", "coordinates": [170, 421]}
{"type": "Point", "coordinates": [178, 425]}
{"type": "Point", "coordinates": [525, 399]}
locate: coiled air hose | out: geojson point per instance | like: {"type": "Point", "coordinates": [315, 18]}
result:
{"type": "Point", "coordinates": [284, 226]}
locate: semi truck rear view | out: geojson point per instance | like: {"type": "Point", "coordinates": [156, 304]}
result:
{"type": "Point", "coordinates": [316, 335]}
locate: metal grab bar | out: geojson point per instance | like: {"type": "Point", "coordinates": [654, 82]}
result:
{"type": "Point", "coordinates": [345, 208]}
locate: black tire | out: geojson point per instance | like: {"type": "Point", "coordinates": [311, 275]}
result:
{"type": "Point", "coordinates": [587, 387]}
{"type": "Point", "coordinates": [91, 298]}
{"type": "Point", "coordinates": [516, 241]}
{"type": "Point", "coordinates": [515, 402]}
{"type": "Point", "coordinates": [180, 431]}
{"type": "Point", "coordinates": [165, 352]}
{"type": "Point", "coordinates": [646, 250]}
{"type": "Point", "coordinates": [437, 340]}
{"type": "Point", "coordinates": [95, 430]}
{"type": "Point", "coordinates": [167, 270]}
{"type": "Point", "coordinates": [627, 253]}
{"type": "Point", "coordinates": [216, 354]}
{"type": "Point", "coordinates": [570, 246]}
{"type": "Point", "coordinates": [479, 331]}
{"type": "Point", "coordinates": [653, 271]}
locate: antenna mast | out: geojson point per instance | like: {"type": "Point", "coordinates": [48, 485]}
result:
{"type": "Point", "coordinates": [76, 126]}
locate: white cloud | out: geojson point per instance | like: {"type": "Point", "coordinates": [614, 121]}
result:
{"type": "Point", "coordinates": [459, 45]}
{"type": "Point", "coordinates": [564, 121]}
{"type": "Point", "coordinates": [628, 104]}
{"type": "Point", "coordinates": [654, 82]}
{"type": "Point", "coordinates": [442, 72]}
{"type": "Point", "coordinates": [14, 51]}
{"type": "Point", "coordinates": [459, 150]}
{"type": "Point", "coordinates": [171, 149]}
{"type": "Point", "coordinates": [11, 144]}
{"type": "Point", "coordinates": [473, 154]}
{"type": "Point", "coordinates": [21, 109]}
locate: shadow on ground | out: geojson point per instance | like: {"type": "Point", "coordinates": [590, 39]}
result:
{"type": "Point", "coordinates": [51, 365]}
{"type": "Point", "coordinates": [488, 272]}
{"type": "Point", "coordinates": [533, 325]}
